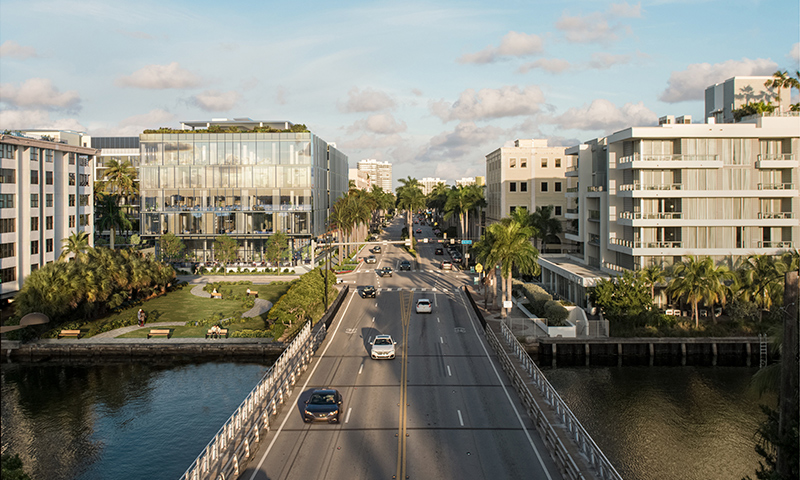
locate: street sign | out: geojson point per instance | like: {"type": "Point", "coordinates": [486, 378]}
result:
{"type": "Point", "coordinates": [466, 255]}
{"type": "Point", "coordinates": [508, 304]}
{"type": "Point", "coordinates": [466, 242]}
{"type": "Point", "coordinates": [478, 267]}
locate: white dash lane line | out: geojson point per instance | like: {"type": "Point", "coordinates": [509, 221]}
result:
{"type": "Point", "coordinates": [347, 418]}
{"type": "Point", "coordinates": [437, 320]}
{"type": "Point", "coordinates": [441, 340]}
{"type": "Point", "coordinates": [360, 369]}
{"type": "Point", "coordinates": [448, 371]}
{"type": "Point", "coordinates": [460, 419]}
{"type": "Point", "coordinates": [373, 319]}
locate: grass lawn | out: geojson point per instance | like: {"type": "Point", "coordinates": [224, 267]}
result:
{"type": "Point", "coordinates": [182, 306]}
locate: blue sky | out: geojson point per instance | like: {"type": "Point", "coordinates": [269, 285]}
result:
{"type": "Point", "coordinates": [430, 86]}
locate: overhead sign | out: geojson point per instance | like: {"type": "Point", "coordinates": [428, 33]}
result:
{"type": "Point", "coordinates": [466, 242]}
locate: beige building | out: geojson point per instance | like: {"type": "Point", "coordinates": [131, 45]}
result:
{"type": "Point", "coordinates": [359, 178]}
{"type": "Point", "coordinates": [45, 196]}
{"type": "Point", "coordinates": [480, 181]}
{"type": "Point", "coordinates": [378, 173]}
{"type": "Point", "coordinates": [427, 184]}
{"type": "Point", "coordinates": [528, 175]}
{"type": "Point", "coordinates": [723, 98]}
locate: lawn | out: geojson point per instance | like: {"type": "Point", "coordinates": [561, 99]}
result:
{"type": "Point", "coordinates": [181, 306]}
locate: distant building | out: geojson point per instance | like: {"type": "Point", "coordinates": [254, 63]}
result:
{"type": "Point", "coordinates": [378, 173]}
{"type": "Point", "coordinates": [360, 179]}
{"type": "Point", "coordinates": [723, 98]}
{"type": "Point", "coordinates": [464, 181]}
{"type": "Point", "coordinates": [428, 183]}
{"type": "Point", "coordinates": [46, 195]}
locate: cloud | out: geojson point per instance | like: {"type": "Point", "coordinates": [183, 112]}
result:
{"type": "Point", "coordinates": [136, 34]}
{"type": "Point", "coordinates": [134, 125]}
{"type": "Point", "coordinates": [508, 101]}
{"type": "Point", "coordinates": [513, 44]}
{"type": "Point", "coordinates": [466, 141]}
{"type": "Point", "coordinates": [382, 124]}
{"type": "Point", "coordinates": [690, 84]}
{"type": "Point", "coordinates": [603, 61]}
{"type": "Point", "coordinates": [367, 101]}
{"type": "Point", "coordinates": [371, 142]}
{"type": "Point", "coordinates": [794, 54]}
{"type": "Point", "coordinates": [39, 92]}
{"type": "Point", "coordinates": [417, 92]}
{"type": "Point", "coordinates": [280, 95]}
{"type": "Point", "coordinates": [598, 27]}
{"type": "Point", "coordinates": [10, 48]}
{"type": "Point", "coordinates": [36, 119]}
{"type": "Point", "coordinates": [215, 101]}
{"type": "Point", "coordinates": [159, 77]}
{"type": "Point", "coordinates": [604, 116]}
{"type": "Point", "coordinates": [625, 10]}
{"type": "Point", "coordinates": [552, 65]}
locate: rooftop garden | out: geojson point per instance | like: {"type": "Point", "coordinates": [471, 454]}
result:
{"type": "Point", "coordinates": [297, 128]}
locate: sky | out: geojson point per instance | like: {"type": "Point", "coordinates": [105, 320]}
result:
{"type": "Point", "coordinates": [431, 87]}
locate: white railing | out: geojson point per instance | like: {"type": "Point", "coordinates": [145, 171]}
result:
{"type": "Point", "coordinates": [650, 216]}
{"type": "Point", "coordinates": [231, 447]}
{"type": "Point", "coordinates": [774, 215]}
{"type": "Point", "coordinates": [569, 422]}
{"type": "Point", "coordinates": [638, 157]}
{"type": "Point", "coordinates": [659, 186]}
{"type": "Point", "coordinates": [789, 157]}
{"type": "Point", "coordinates": [632, 244]}
{"type": "Point", "coordinates": [776, 186]}
{"type": "Point", "coordinates": [775, 244]}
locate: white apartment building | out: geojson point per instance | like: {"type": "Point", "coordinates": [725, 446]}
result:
{"type": "Point", "coordinates": [427, 184]}
{"type": "Point", "coordinates": [359, 178]}
{"type": "Point", "coordinates": [378, 173]}
{"type": "Point", "coordinates": [480, 181]}
{"type": "Point", "coordinates": [654, 195]}
{"type": "Point", "coordinates": [527, 175]}
{"type": "Point", "coordinates": [45, 196]}
{"type": "Point", "coordinates": [723, 98]}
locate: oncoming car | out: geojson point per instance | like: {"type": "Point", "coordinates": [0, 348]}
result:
{"type": "Point", "coordinates": [424, 306]}
{"type": "Point", "coordinates": [385, 271]}
{"type": "Point", "coordinates": [405, 265]}
{"type": "Point", "coordinates": [383, 347]}
{"type": "Point", "coordinates": [368, 291]}
{"type": "Point", "coordinates": [372, 259]}
{"type": "Point", "coordinates": [323, 405]}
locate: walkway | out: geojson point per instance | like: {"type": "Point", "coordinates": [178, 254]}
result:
{"type": "Point", "coordinates": [121, 331]}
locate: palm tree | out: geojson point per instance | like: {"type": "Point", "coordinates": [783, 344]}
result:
{"type": "Point", "coordinates": [762, 275]}
{"type": "Point", "coordinates": [782, 80]}
{"type": "Point", "coordinates": [410, 198]}
{"type": "Point", "coordinates": [456, 206]}
{"type": "Point", "coordinates": [511, 248]}
{"type": "Point", "coordinates": [111, 217]}
{"type": "Point", "coordinates": [475, 201]}
{"type": "Point", "coordinates": [653, 275]}
{"type": "Point", "coordinates": [120, 180]}
{"type": "Point", "coordinates": [546, 225]}
{"type": "Point", "coordinates": [76, 244]}
{"type": "Point", "coordinates": [699, 280]}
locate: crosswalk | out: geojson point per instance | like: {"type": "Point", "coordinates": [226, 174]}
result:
{"type": "Point", "coordinates": [414, 289]}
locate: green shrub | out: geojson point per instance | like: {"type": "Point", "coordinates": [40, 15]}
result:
{"type": "Point", "coordinates": [555, 313]}
{"type": "Point", "coordinates": [247, 333]}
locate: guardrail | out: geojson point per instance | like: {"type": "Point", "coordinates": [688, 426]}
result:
{"type": "Point", "coordinates": [578, 434]}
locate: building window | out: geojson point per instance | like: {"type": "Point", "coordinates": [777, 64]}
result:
{"type": "Point", "coordinates": [558, 187]}
{"type": "Point", "coordinates": [8, 250]}
{"type": "Point", "coordinates": [84, 180]}
{"type": "Point", "coordinates": [48, 155]}
{"type": "Point", "coordinates": [84, 200]}
{"type": "Point", "coordinates": [6, 200]}
{"type": "Point", "coordinates": [48, 178]}
{"type": "Point", "coordinates": [8, 225]}
{"type": "Point", "coordinates": [558, 210]}
{"type": "Point", "coordinates": [34, 224]}
{"type": "Point", "coordinates": [48, 245]}
{"type": "Point", "coordinates": [544, 163]}
{"type": "Point", "coordinates": [34, 267]}
{"type": "Point", "coordinates": [72, 158]}
{"type": "Point", "coordinates": [512, 187]}
{"type": "Point", "coordinates": [72, 221]}
{"type": "Point", "coordinates": [34, 154]}
{"type": "Point", "coordinates": [8, 274]}
{"type": "Point", "coordinates": [8, 175]}
{"type": "Point", "coordinates": [48, 199]}
{"type": "Point", "coordinates": [35, 247]}
{"type": "Point", "coordinates": [512, 162]}
{"type": "Point", "coordinates": [34, 200]}
{"type": "Point", "coordinates": [72, 179]}
{"type": "Point", "coordinates": [523, 163]}
{"type": "Point", "coordinates": [511, 209]}
{"type": "Point", "coordinates": [84, 220]}
{"type": "Point", "coordinates": [48, 222]}
{"type": "Point", "coordinates": [523, 186]}
{"type": "Point", "coordinates": [34, 177]}
{"type": "Point", "coordinates": [7, 150]}
{"type": "Point", "coordinates": [544, 186]}
{"type": "Point", "coordinates": [558, 163]}
{"type": "Point", "coordinates": [71, 199]}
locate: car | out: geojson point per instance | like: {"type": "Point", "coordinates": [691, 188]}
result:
{"type": "Point", "coordinates": [385, 271]}
{"type": "Point", "coordinates": [424, 306]}
{"type": "Point", "coordinates": [419, 230]}
{"type": "Point", "coordinates": [405, 265]}
{"type": "Point", "coordinates": [447, 265]}
{"type": "Point", "coordinates": [372, 259]}
{"type": "Point", "coordinates": [376, 249]}
{"type": "Point", "coordinates": [323, 405]}
{"type": "Point", "coordinates": [382, 347]}
{"type": "Point", "coordinates": [368, 291]}
{"type": "Point", "coordinates": [439, 251]}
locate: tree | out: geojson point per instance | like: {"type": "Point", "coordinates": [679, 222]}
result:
{"type": "Point", "coordinates": [226, 249]}
{"type": "Point", "coordinates": [171, 246]}
{"type": "Point", "coordinates": [651, 276]}
{"type": "Point", "coordinates": [622, 299]}
{"type": "Point", "coordinates": [699, 280]}
{"type": "Point", "coordinates": [547, 226]}
{"type": "Point", "coordinates": [762, 279]}
{"type": "Point", "coordinates": [76, 244]}
{"type": "Point", "coordinates": [410, 198]}
{"type": "Point", "coordinates": [276, 248]}
{"type": "Point", "coordinates": [511, 248]}
{"type": "Point", "coordinates": [111, 217]}
{"type": "Point", "coordinates": [781, 80]}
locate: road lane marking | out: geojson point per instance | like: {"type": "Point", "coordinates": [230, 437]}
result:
{"type": "Point", "coordinates": [435, 301]}
{"type": "Point", "coordinates": [373, 319]}
{"type": "Point", "coordinates": [448, 371]}
{"type": "Point", "coordinates": [460, 419]}
{"type": "Point", "coordinates": [441, 340]}
{"type": "Point", "coordinates": [347, 418]}
{"type": "Point", "coordinates": [370, 339]}
{"type": "Point", "coordinates": [361, 368]}
{"type": "Point", "coordinates": [405, 317]}
{"type": "Point", "coordinates": [437, 320]}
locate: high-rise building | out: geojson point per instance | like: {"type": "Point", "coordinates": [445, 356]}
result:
{"type": "Point", "coordinates": [378, 173]}
{"type": "Point", "coordinates": [360, 179]}
{"type": "Point", "coordinates": [427, 184]}
{"type": "Point", "coordinates": [723, 98]}
{"type": "Point", "coordinates": [45, 196]}
{"type": "Point", "coordinates": [246, 182]}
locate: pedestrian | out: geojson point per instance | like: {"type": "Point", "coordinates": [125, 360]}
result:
{"type": "Point", "coordinates": [141, 317]}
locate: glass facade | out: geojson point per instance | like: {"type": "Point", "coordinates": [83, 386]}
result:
{"type": "Point", "coordinates": [245, 185]}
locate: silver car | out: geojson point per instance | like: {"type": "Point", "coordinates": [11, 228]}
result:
{"type": "Point", "coordinates": [383, 347]}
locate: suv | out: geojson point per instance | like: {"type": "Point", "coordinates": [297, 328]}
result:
{"type": "Point", "coordinates": [368, 292]}
{"type": "Point", "coordinates": [372, 259]}
{"type": "Point", "coordinates": [424, 306]}
{"type": "Point", "coordinates": [405, 265]}
{"type": "Point", "coordinates": [382, 347]}
{"type": "Point", "coordinates": [385, 271]}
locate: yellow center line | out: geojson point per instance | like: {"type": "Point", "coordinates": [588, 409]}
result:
{"type": "Point", "coordinates": [405, 317]}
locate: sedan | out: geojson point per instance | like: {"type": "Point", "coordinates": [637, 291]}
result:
{"type": "Point", "coordinates": [382, 347]}
{"type": "Point", "coordinates": [368, 292]}
{"type": "Point", "coordinates": [424, 306]}
{"type": "Point", "coordinates": [385, 271]}
{"type": "Point", "coordinates": [376, 249]}
{"type": "Point", "coordinates": [324, 404]}
{"type": "Point", "coordinates": [447, 265]}
{"type": "Point", "coordinates": [405, 265]}
{"type": "Point", "coordinates": [419, 230]}
{"type": "Point", "coordinates": [372, 259]}
{"type": "Point", "coordinates": [439, 251]}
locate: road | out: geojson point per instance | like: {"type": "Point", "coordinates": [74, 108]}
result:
{"type": "Point", "coordinates": [443, 409]}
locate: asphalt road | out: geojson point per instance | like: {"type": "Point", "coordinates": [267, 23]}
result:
{"type": "Point", "coordinates": [443, 409]}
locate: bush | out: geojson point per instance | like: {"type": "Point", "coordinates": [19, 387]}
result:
{"type": "Point", "coordinates": [247, 333]}
{"type": "Point", "coordinates": [555, 313]}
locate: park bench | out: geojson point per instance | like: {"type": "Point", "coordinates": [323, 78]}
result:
{"type": "Point", "coordinates": [158, 333]}
{"type": "Point", "coordinates": [70, 333]}
{"type": "Point", "coordinates": [216, 295]}
{"type": "Point", "coordinates": [253, 292]}
{"type": "Point", "coordinates": [222, 331]}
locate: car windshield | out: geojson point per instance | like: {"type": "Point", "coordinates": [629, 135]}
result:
{"type": "Point", "coordinates": [382, 341]}
{"type": "Point", "coordinates": [322, 399]}
{"type": "Point", "coordinates": [424, 302]}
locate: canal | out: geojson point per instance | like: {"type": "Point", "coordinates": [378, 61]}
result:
{"type": "Point", "coordinates": [134, 420]}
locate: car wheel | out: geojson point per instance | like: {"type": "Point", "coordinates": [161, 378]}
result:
{"type": "Point", "coordinates": [306, 420]}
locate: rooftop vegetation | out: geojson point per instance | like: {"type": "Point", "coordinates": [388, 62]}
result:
{"type": "Point", "coordinates": [297, 128]}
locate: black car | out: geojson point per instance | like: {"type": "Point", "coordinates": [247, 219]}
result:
{"type": "Point", "coordinates": [323, 405]}
{"type": "Point", "coordinates": [385, 271]}
{"type": "Point", "coordinates": [405, 265]}
{"type": "Point", "coordinates": [439, 251]}
{"type": "Point", "coordinates": [368, 292]}
{"type": "Point", "coordinates": [376, 249]}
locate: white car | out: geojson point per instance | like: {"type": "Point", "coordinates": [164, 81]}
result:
{"type": "Point", "coordinates": [383, 347]}
{"type": "Point", "coordinates": [424, 306]}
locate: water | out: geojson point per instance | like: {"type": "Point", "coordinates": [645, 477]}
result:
{"type": "Point", "coordinates": [117, 421]}
{"type": "Point", "coordinates": [690, 423]}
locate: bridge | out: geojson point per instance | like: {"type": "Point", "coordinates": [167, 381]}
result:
{"type": "Point", "coordinates": [446, 407]}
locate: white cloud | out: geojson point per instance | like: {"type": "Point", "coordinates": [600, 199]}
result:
{"type": "Point", "coordinates": [134, 125]}
{"type": "Point", "coordinates": [39, 92]}
{"type": "Point", "coordinates": [598, 27]}
{"type": "Point", "coordinates": [371, 142]}
{"type": "Point", "coordinates": [604, 116]}
{"type": "Point", "coordinates": [508, 101]}
{"type": "Point", "coordinates": [794, 54]}
{"type": "Point", "coordinates": [280, 95]}
{"type": "Point", "coordinates": [10, 48]}
{"type": "Point", "coordinates": [625, 10]}
{"type": "Point", "coordinates": [159, 77]}
{"type": "Point", "coordinates": [690, 84]}
{"type": "Point", "coordinates": [216, 101]}
{"type": "Point", "coordinates": [382, 124]}
{"type": "Point", "coordinates": [36, 119]}
{"type": "Point", "coordinates": [513, 44]}
{"type": "Point", "coordinates": [367, 100]}
{"type": "Point", "coordinates": [466, 141]}
{"type": "Point", "coordinates": [552, 65]}
{"type": "Point", "coordinates": [603, 61]}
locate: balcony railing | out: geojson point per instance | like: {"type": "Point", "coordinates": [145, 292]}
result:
{"type": "Point", "coordinates": [572, 210]}
{"type": "Point", "coordinates": [651, 216]}
{"type": "Point", "coordinates": [594, 239]}
{"type": "Point", "coordinates": [595, 188]}
{"type": "Point", "coordinates": [572, 232]}
{"type": "Point", "coordinates": [594, 214]}
{"type": "Point", "coordinates": [615, 268]}
{"type": "Point", "coordinates": [631, 244]}
{"type": "Point", "coordinates": [572, 190]}
{"type": "Point", "coordinates": [776, 186]}
{"type": "Point", "coordinates": [638, 157]}
{"type": "Point", "coordinates": [788, 157]}
{"type": "Point", "coordinates": [573, 168]}
{"type": "Point", "coordinates": [775, 244]}
{"type": "Point", "coordinates": [774, 215]}
{"type": "Point", "coordinates": [640, 186]}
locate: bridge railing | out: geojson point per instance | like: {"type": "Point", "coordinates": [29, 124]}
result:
{"type": "Point", "coordinates": [581, 438]}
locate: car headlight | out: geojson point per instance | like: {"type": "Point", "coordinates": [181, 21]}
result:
{"type": "Point", "coordinates": [333, 413]}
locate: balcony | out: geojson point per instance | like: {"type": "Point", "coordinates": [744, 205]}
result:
{"type": "Point", "coordinates": [776, 186]}
{"type": "Point", "coordinates": [632, 244]}
{"type": "Point", "coordinates": [594, 215]}
{"type": "Point", "coordinates": [572, 210]}
{"type": "Point", "coordinates": [658, 161]}
{"type": "Point", "coordinates": [595, 188]}
{"type": "Point", "coordinates": [614, 268]}
{"type": "Point", "coordinates": [629, 187]}
{"type": "Point", "coordinates": [571, 171]}
{"type": "Point", "coordinates": [572, 190]}
{"type": "Point", "coordinates": [775, 215]}
{"type": "Point", "coordinates": [594, 239]}
{"type": "Point", "coordinates": [651, 216]}
{"type": "Point", "coordinates": [779, 160]}
{"type": "Point", "coordinates": [775, 244]}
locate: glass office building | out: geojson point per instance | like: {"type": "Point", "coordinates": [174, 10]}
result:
{"type": "Point", "coordinates": [244, 184]}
